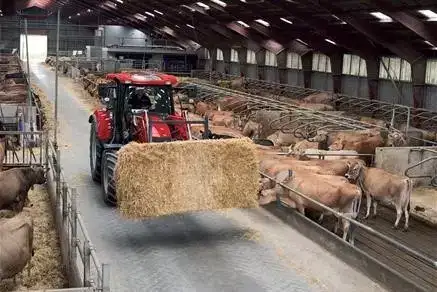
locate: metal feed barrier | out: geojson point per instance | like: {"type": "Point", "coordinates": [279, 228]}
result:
{"type": "Point", "coordinates": [79, 256]}
{"type": "Point", "coordinates": [353, 254]}
{"type": "Point", "coordinates": [421, 118]}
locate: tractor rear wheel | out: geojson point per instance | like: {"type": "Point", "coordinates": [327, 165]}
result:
{"type": "Point", "coordinates": [96, 150]}
{"type": "Point", "coordinates": [108, 171]}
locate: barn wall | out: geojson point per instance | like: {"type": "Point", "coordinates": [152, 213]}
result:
{"type": "Point", "coordinates": [387, 92]}
{"type": "Point", "coordinates": [321, 81]}
{"type": "Point", "coordinates": [234, 68]}
{"type": "Point", "coordinates": [353, 81]}
{"type": "Point", "coordinates": [295, 77]}
{"type": "Point", "coordinates": [431, 97]}
{"type": "Point", "coordinates": [355, 86]}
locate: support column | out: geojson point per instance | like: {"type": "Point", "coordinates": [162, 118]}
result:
{"type": "Point", "coordinates": [418, 72]}
{"type": "Point", "coordinates": [261, 63]}
{"type": "Point", "coordinates": [282, 67]}
{"type": "Point", "coordinates": [227, 60]}
{"type": "Point", "coordinates": [372, 65]}
{"type": "Point", "coordinates": [213, 59]}
{"type": "Point", "coordinates": [242, 60]}
{"type": "Point", "coordinates": [337, 69]}
{"type": "Point", "coordinates": [307, 66]}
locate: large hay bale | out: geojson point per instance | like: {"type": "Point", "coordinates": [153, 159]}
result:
{"type": "Point", "coordinates": [156, 179]}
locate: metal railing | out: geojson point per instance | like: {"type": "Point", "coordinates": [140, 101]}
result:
{"type": "Point", "coordinates": [79, 253]}
{"type": "Point", "coordinates": [417, 254]}
{"type": "Point", "coordinates": [419, 117]}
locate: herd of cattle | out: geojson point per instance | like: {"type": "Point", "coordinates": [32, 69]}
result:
{"type": "Point", "coordinates": [338, 181]}
{"type": "Point", "coordinates": [16, 223]}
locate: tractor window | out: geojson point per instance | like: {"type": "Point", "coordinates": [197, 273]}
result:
{"type": "Point", "coordinates": [153, 98]}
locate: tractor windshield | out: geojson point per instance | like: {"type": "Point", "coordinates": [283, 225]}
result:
{"type": "Point", "coordinates": [153, 98]}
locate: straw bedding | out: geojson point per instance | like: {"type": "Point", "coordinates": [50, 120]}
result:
{"type": "Point", "coordinates": [155, 179]}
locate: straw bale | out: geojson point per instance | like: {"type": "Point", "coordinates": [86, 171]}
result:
{"type": "Point", "coordinates": [46, 267]}
{"type": "Point", "coordinates": [155, 179]}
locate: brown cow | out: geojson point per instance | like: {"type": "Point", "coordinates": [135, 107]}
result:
{"type": "Point", "coordinates": [15, 184]}
{"type": "Point", "coordinates": [232, 103]}
{"type": "Point", "coordinates": [378, 183]}
{"type": "Point", "coordinates": [16, 245]}
{"type": "Point", "coordinates": [252, 129]}
{"type": "Point", "coordinates": [280, 138]}
{"type": "Point", "coordinates": [330, 191]}
{"type": "Point", "coordinates": [321, 97]}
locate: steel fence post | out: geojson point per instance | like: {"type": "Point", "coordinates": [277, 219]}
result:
{"type": "Point", "coordinates": [58, 173]}
{"type": "Point", "coordinates": [105, 286]}
{"type": "Point", "coordinates": [86, 263]}
{"type": "Point", "coordinates": [73, 241]}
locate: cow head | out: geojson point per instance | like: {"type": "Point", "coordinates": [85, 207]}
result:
{"type": "Point", "coordinates": [321, 136]}
{"type": "Point", "coordinates": [396, 139]}
{"type": "Point", "coordinates": [354, 170]}
{"type": "Point", "coordinates": [38, 175]}
{"type": "Point", "coordinates": [337, 145]}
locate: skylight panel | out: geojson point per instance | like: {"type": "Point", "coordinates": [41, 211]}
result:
{"type": "Point", "coordinates": [263, 22]}
{"type": "Point", "coordinates": [221, 3]}
{"type": "Point", "coordinates": [382, 17]}
{"type": "Point", "coordinates": [203, 5]}
{"type": "Point", "coordinates": [243, 24]}
{"type": "Point", "coordinates": [190, 26]}
{"type": "Point", "coordinates": [149, 13]}
{"type": "Point", "coordinates": [432, 16]}
{"type": "Point", "coordinates": [159, 12]}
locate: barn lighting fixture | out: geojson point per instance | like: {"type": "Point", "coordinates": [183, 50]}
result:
{"type": "Point", "coordinates": [244, 1]}
{"type": "Point", "coordinates": [78, 14]}
{"type": "Point", "coordinates": [69, 17]}
{"type": "Point", "coordinates": [330, 41]}
{"type": "Point", "coordinates": [159, 12]}
{"type": "Point", "coordinates": [243, 24]}
{"type": "Point", "coordinates": [189, 8]}
{"type": "Point", "coordinates": [302, 42]}
{"type": "Point", "coordinates": [382, 17]}
{"type": "Point", "coordinates": [286, 20]}
{"type": "Point", "coordinates": [221, 3]}
{"type": "Point", "coordinates": [89, 10]}
{"type": "Point", "coordinates": [140, 17]}
{"type": "Point", "coordinates": [190, 26]}
{"type": "Point", "coordinates": [263, 22]}
{"type": "Point", "coordinates": [120, 1]}
{"type": "Point", "coordinates": [336, 17]}
{"type": "Point", "coordinates": [203, 5]}
{"type": "Point", "coordinates": [150, 14]}
{"type": "Point", "coordinates": [432, 16]}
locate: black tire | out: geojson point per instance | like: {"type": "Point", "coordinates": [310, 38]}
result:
{"type": "Point", "coordinates": [108, 184]}
{"type": "Point", "coordinates": [96, 150]}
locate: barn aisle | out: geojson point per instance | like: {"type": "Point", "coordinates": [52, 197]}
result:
{"type": "Point", "coordinates": [249, 250]}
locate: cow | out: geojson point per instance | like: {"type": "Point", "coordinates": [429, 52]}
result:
{"type": "Point", "coordinates": [316, 106]}
{"type": "Point", "coordinates": [15, 184]}
{"type": "Point", "coordinates": [331, 191]}
{"type": "Point", "coordinates": [280, 138]}
{"type": "Point", "coordinates": [231, 103]}
{"type": "Point", "coordinates": [377, 183]}
{"type": "Point", "coordinates": [321, 97]}
{"type": "Point", "coordinates": [201, 108]}
{"type": "Point", "coordinates": [16, 244]}
{"type": "Point", "coordinates": [363, 141]}
{"type": "Point", "coordinates": [252, 129]}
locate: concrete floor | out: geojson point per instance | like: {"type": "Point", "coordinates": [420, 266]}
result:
{"type": "Point", "coordinates": [236, 250]}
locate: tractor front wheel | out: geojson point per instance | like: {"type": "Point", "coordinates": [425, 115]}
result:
{"type": "Point", "coordinates": [108, 171]}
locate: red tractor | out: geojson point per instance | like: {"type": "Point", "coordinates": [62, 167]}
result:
{"type": "Point", "coordinates": [138, 107]}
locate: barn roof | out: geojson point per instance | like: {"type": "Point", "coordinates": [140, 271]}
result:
{"type": "Point", "coordinates": [362, 27]}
